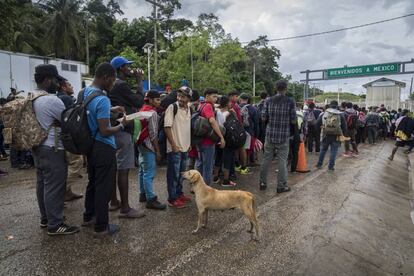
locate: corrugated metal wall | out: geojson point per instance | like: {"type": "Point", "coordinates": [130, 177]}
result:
{"type": "Point", "coordinates": [388, 95]}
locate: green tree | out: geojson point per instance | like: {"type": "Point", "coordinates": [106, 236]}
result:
{"type": "Point", "coordinates": [63, 27]}
{"type": "Point", "coordinates": [265, 58]}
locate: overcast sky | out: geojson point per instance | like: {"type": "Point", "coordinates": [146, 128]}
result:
{"type": "Point", "coordinates": [247, 19]}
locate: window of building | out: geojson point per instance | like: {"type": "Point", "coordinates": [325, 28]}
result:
{"type": "Point", "coordinates": [69, 67]}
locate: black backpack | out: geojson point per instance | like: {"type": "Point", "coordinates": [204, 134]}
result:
{"type": "Point", "coordinates": [235, 136]}
{"type": "Point", "coordinates": [76, 134]}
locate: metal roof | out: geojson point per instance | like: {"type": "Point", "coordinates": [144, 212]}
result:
{"type": "Point", "coordinates": [400, 83]}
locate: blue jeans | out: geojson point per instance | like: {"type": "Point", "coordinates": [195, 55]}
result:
{"type": "Point", "coordinates": [177, 163]}
{"type": "Point", "coordinates": [147, 169]}
{"type": "Point", "coordinates": [205, 162]}
{"type": "Point", "coordinates": [334, 150]}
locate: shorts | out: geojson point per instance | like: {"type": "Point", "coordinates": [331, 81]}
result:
{"type": "Point", "coordinates": [125, 156]}
{"type": "Point", "coordinates": [401, 143]}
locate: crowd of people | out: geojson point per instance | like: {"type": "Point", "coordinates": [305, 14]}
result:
{"type": "Point", "coordinates": [219, 135]}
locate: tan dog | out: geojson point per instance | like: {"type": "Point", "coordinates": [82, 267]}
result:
{"type": "Point", "coordinates": [208, 198]}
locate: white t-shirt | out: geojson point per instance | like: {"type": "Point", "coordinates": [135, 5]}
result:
{"type": "Point", "coordinates": [180, 125]}
{"type": "Point", "coordinates": [221, 117]}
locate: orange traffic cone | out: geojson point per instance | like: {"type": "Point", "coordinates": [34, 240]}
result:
{"type": "Point", "coordinates": [302, 163]}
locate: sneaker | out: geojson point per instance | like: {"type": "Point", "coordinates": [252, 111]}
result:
{"type": "Point", "coordinates": [237, 168]}
{"type": "Point", "coordinates": [63, 229]}
{"type": "Point", "coordinates": [245, 171]}
{"type": "Point", "coordinates": [176, 204]}
{"type": "Point", "coordinates": [216, 180]}
{"type": "Point", "coordinates": [43, 223]}
{"type": "Point", "coordinates": [263, 186]}
{"type": "Point", "coordinates": [88, 223]}
{"type": "Point", "coordinates": [347, 154]}
{"type": "Point", "coordinates": [283, 190]}
{"type": "Point", "coordinates": [142, 197]}
{"type": "Point", "coordinates": [131, 213]}
{"type": "Point", "coordinates": [185, 198]}
{"type": "Point", "coordinates": [155, 204]}
{"type": "Point", "coordinates": [110, 230]}
{"type": "Point", "coordinates": [3, 173]}
{"type": "Point", "coordinates": [228, 183]}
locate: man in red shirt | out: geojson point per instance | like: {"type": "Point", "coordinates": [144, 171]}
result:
{"type": "Point", "coordinates": [206, 149]}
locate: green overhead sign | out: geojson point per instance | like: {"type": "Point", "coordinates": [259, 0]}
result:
{"type": "Point", "coordinates": [363, 70]}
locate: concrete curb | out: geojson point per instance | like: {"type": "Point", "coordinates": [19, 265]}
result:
{"type": "Point", "coordinates": [411, 183]}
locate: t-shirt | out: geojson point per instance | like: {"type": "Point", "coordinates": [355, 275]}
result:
{"type": "Point", "coordinates": [221, 117]}
{"type": "Point", "coordinates": [207, 112]}
{"type": "Point", "coordinates": [236, 109]}
{"type": "Point", "coordinates": [99, 108]}
{"type": "Point", "coordinates": [181, 127]}
{"type": "Point", "coordinates": [48, 110]}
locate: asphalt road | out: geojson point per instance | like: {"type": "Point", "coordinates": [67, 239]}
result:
{"type": "Point", "coordinates": [353, 221]}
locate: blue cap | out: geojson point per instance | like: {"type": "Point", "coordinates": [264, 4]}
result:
{"type": "Point", "coordinates": [117, 62]}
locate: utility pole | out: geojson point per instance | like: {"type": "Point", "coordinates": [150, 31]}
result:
{"type": "Point", "coordinates": [155, 5]}
{"type": "Point", "coordinates": [155, 40]}
{"type": "Point", "coordinates": [192, 61]}
{"type": "Point", "coordinates": [87, 43]}
{"type": "Point", "coordinates": [254, 78]}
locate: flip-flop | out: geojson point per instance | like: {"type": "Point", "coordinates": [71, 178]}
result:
{"type": "Point", "coordinates": [132, 213]}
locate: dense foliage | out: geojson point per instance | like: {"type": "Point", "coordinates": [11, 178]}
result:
{"type": "Point", "coordinates": [201, 51]}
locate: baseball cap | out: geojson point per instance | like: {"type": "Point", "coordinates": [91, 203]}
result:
{"type": "Point", "coordinates": [118, 62]}
{"type": "Point", "coordinates": [152, 94]}
{"type": "Point", "coordinates": [186, 91]}
{"type": "Point", "coordinates": [245, 96]}
{"type": "Point", "coordinates": [48, 70]}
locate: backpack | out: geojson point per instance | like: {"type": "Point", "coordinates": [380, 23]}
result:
{"type": "Point", "coordinates": [371, 120]}
{"type": "Point", "coordinates": [200, 126]}
{"type": "Point", "coordinates": [76, 135]}
{"type": "Point", "coordinates": [311, 118]}
{"type": "Point", "coordinates": [331, 123]}
{"type": "Point", "coordinates": [361, 120]}
{"type": "Point", "coordinates": [235, 134]}
{"type": "Point", "coordinates": [162, 137]}
{"type": "Point", "coordinates": [244, 111]}
{"type": "Point", "coordinates": [351, 121]}
{"type": "Point", "coordinates": [20, 121]}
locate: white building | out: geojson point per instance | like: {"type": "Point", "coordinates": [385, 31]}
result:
{"type": "Point", "coordinates": [384, 91]}
{"type": "Point", "coordinates": [17, 71]}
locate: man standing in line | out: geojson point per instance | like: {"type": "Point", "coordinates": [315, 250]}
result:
{"type": "Point", "coordinates": [75, 161]}
{"type": "Point", "coordinates": [177, 125]}
{"type": "Point", "coordinates": [102, 157]}
{"type": "Point", "coordinates": [122, 95]}
{"type": "Point", "coordinates": [333, 126]}
{"type": "Point", "coordinates": [372, 124]}
{"type": "Point", "coordinates": [149, 153]}
{"type": "Point", "coordinates": [313, 133]}
{"type": "Point", "coordinates": [206, 149]}
{"type": "Point", "coordinates": [50, 155]}
{"type": "Point", "coordinates": [279, 112]}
